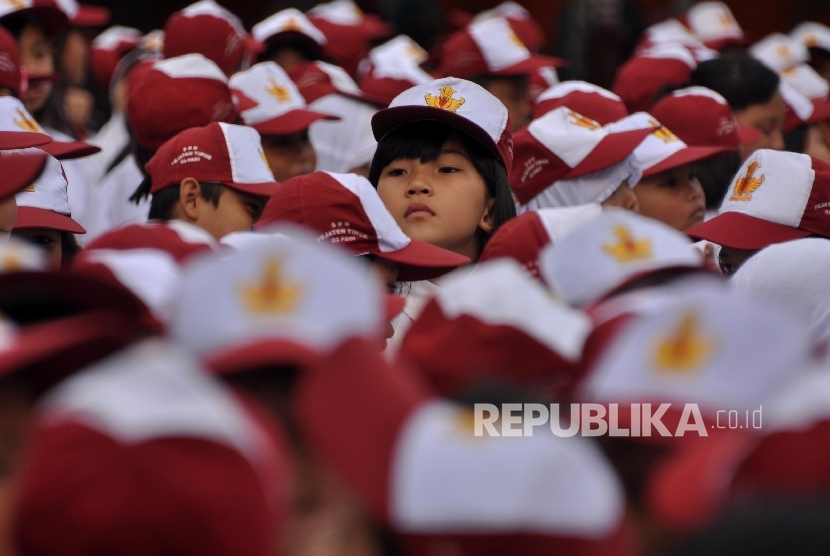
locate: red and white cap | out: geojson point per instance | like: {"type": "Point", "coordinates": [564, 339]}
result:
{"type": "Point", "coordinates": [495, 323]}
{"type": "Point", "coordinates": [776, 196]}
{"type": "Point", "coordinates": [20, 170]}
{"type": "Point", "coordinates": [10, 74]}
{"type": "Point", "coordinates": [662, 150]}
{"type": "Point", "coordinates": [318, 79]}
{"type": "Point", "coordinates": [710, 348]}
{"type": "Point", "coordinates": [146, 259]}
{"type": "Point", "coordinates": [153, 41]}
{"type": "Point", "coordinates": [107, 50]}
{"type": "Point", "coordinates": [44, 203]}
{"type": "Point", "coordinates": [284, 300]}
{"type": "Point", "coordinates": [457, 102]}
{"type": "Point", "coordinates": [610, 252]}
{"type": "Point", "coordinates": [346, 210]}
{"type": "Point", "coordinates": [714, 123]}
{"type": "Point", "coordinates": [527, 29]}
{"type": "Point", "coordinates": [218, 152]}
{"type": "Point", "coordinates": [137, 440]}
{"type": "Point", "coordinates": [523, 238]}
{"type": "Point", "coordinates": [49, 12]}
{"type": "Point", "coordinates": [807, 81]}
{"type": "Point", "coordinates": [540, 81]}
{"type": "Point", "coordinates": [289, 24]}
{"type": "Point", "coordinates": [800, 109]}
{"type": "Point", "coordinates": [584, 98]}
{"type": "Point", "coordinates": [673, 32]}
{"type": "Point", "coordinates": [394, 67]}
{"type": "Point", "coordinates": [779, 52]}
{"type": "Point", "coordinates": [642, 77]}
{"type": "Point", "coordinates": [425, 474]}
{"type": "Point", "coordinates": [348, 31]}
{"type": "Point", "coordinates": [280, 108]}
{"type": "Point", "coordinates": [562, 145]}
{"type": "Point", "coordinates": [177, 94]}
{"type": "Point", "coordinates": [85, 15]}
{"type": "Point", "coordinates": [714, 25]}
{"type": "Point", "coordinates": [489, 47]}
{"type": "Point", "coordinates": [26, 131]}
{"type": "Point", "coordinates": [208, 29]}
{"type": "Point", "coordinates": [812, 35]}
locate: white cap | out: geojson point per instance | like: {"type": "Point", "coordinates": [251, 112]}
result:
{"type": "Point", "coordinates": [812, 35]}
{"type": "Point", "coordinates": [271, 88]}
{"type": "Point", "coordinates": [48, 191]}
{"type": "Point", "coordinates": [779, 52]}
{"type": "Point", "coordinates": [712, 22]}
{"type": "Point", "coordinates": [806, 81]}
{"type": "Point", "coordinates": [288, 20]}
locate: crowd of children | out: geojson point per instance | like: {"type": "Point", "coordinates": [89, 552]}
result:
{"type": "Point", "coordinates": [314, 289]}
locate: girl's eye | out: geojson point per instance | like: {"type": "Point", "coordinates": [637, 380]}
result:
{"type": "Point", "coordinates": [670, 183]}
{"type": "Point", "coordinates": [448, 170]}
{"type": "Point", "coordinates": [43, 240]}
{"type": "Point", "coordinates": [397, 172]}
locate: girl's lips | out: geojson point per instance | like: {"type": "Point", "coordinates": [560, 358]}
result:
{"type": "Point", "coordinates": [418, 209]}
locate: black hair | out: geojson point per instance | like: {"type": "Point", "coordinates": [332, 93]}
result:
{"type": "Point", "coordinates": [15, 23]}
{"type": "Point", "coordinates": [142, 157]}
{"type": "Point", "coordinates": [423, 140]}
{"type": "Point", "coordinates": [69, 248]}
{"type": "Point", "coordinates": [741, 80]}
{"type": "Point", "coordinates": [715, 175]}
{"type": "Point", "coordinates": [290, 41]}
{"type": "Point", "coordinates": [795, 141]}
{"type": "Point", "coordinates": [162, 203]}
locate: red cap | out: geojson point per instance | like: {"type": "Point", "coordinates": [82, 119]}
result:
{"type": "Point", "coordinates": [90, 16]}
{"type": "Point", "coordinates": [208, 29]}
{"type": "Point", "coordinates": [527, 29]}
{"type": "Point", "coordinates": [49, 12]}
{"type": "Point", "coordinates": [218, 152]}
{"type": "Point", "coordinates": [776, 196]}
{"type": "Point", "coordinates": [489, 47]}
{"type": "Point", "coordinates": [346, 210]}
{"type": "Point", "coordinates": [318, 79]}
{"type": "Point", "coordinates": [523, 238]}
{"type": "Point", "coordinates": [180, 242]}
{"type": "Point", "coordinates": [563, 145]}
{"type": "Point", "coordinates": [394, 67]}
{"type": "Point", "coordinates": [177, 94]}
{"type": "Point", "coordinates": [587, 99]}
{"type": "Point", "coordinates": [639, 79]}
{"type": "Point", "coordinates": [463, 337]}
{"type": "Point", "coordinates": [107, 50]}
{"type": "Point", "coordinates": [714, 123]}
{"type": "Point", "coordinates": [19, 172]}
{"type": "Point", "coordinates": [10, 76]}
{"type": "Point", "coordinates": [44, 203]}
{"type": "Point", "coordinates": [348, 32]}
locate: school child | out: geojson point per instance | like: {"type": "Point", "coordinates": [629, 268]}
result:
{"type": "Point", "coordinates": [601, 105]}
{"type": "Point", "coordinates": [392, 68]}
{"type": "Point", "coordinates": [816, 37]}
{"type": "Point", "coordinates": [669, 190]}
{"type": "Point", "coordinates": [566, 159]}
{"type": "Point", "coordinates": [776, 196]}
{"type": "Point", "coordinates": [751, 89]}
{"type": "Point", "coordinates": [214, 177]}
{"type": "Point", "coordinates": [281, 117]}
{"type": "Point", "coordinates": [288, 38]}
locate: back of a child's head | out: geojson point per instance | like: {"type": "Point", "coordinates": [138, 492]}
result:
{"type": "Point", "coordinates": [741, 80]}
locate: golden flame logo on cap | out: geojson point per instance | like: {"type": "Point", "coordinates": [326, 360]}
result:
{"type": "Point", "coordinates": [514, 38]}
{"type": "Point", "coordinates": [811, 40]}
{"type": "Point", "coordinates": [26, 123]}
{"type": "Point", "coordinates": [583, 121]}
{"type": "Point", "coordinates": [685, 349]}
{"type": "Point", "coordinates": [29, 188]}
{"type": "Point", "coordinates": [292, 25]}
{"type": "Point", "coordinates": [17, 4]}
{"type": "Point", "coordinates": [627, 248]}
{"type": "Point", "coordinates": [746, 185]}
{"type": "Point", "coordinates": [271, 294]}
{"type": "Point", "coordinates": [11, 260]}
{"type": "Point", "coordinates": [663, 133]}
{"type": "Point", "coordinates": [725, 19]}
{"type": "Point", "coordinates": [279, 92]}
{"type": "Point", "coordinates": [444, 99]}
{"type": "Point", "coordinates": [784, 52]}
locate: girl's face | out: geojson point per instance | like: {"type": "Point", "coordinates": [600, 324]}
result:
{"type": "Point", "coordinates": [674, 197]}
{"type": "Point", "coordinates": [768, 118]}
{"type": "Point", "coordinates": [623, 197]}
{"type": "Point", "coordinates": [36, 57]}
{"type": "Point", "coordinates": [50, 240]}
{"type": "Point", "coordinates": [443, 202]}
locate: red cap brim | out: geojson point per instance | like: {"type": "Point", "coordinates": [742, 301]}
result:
{"type": "Point", "coordinates": [421, 261]}
{"type": "Point", "coordinates": [64, 150]}
{"type": "Point", "coordinates": [611, 150]}
{"type": "Point", "coordinates": [259, 189]}
{"type": "Point", "coordinates": [685, 156]}
{"type": "Point", "coordinates": [291, 122]}
{"type": "Point", "coordinates": [742, 231]}
{"type": "Point", "coordinates": [747, 135]}
{"type": "Point", "coordinates": [10, 140]}
{"type": "Point", "coordinates": [262, 353]}
{"type": "Point", "coordinates": [90, 16]}
{"type": "Point", "coordinates": [33, 217]}
{"type": "Point", "coordinates": [386, 120]}
{"type": "Point", "coordinates": [19, 172]}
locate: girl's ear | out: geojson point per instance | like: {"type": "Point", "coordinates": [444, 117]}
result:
{"type": "Point", "coordinates": [488, 220]}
